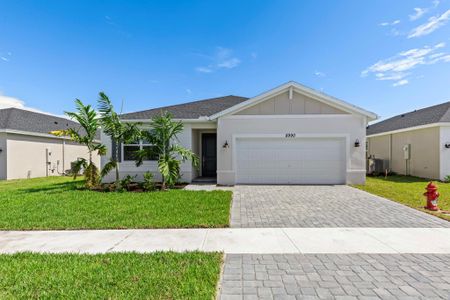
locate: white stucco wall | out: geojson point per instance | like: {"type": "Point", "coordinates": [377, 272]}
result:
{"type": "Point", "coordinates": [444, 153]}
{"type": "Point", "coordinates": [185, 139]}
{"type": "Point", "coordinates": [26, 156]}
{"type": "Point", "coordinates": [351, 127]}
{"type": "Point", "coordinates": [3, 156]}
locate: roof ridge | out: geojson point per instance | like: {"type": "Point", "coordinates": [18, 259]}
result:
{"type": "Point", "coordinates": [416, 111]}
{"type": "Point", "coordinates": [446, 114]}
{"type": "Point", "coordinates": [10, 110]}
{"type": "Point", "coordinates": [185, 103]}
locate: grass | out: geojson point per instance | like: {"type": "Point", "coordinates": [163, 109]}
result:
{"type": "Point", "coordinates": [167, 275]}
{"type": "Point", "coordinates": [407, 190]}
{"type": "Point", "coordinates": [59, 203]}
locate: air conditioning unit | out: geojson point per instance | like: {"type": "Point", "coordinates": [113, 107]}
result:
{"type": "Point", "coordinates": [377, 166]}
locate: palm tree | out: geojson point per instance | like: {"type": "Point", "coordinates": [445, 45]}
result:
{"type": "Point", "coordinates": [170, 155]}
{"type": "Point", "coordinates": [117, 130]}
{"type": "Point", "coordinates": [86, 116]}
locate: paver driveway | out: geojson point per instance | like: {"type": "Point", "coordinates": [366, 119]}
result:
{"type": "Point", "coordinates": [349, 276]}
{"type": "Point", "coordinates": [330, 276]}
{"type": "Point", "coordinates": [321, 206]}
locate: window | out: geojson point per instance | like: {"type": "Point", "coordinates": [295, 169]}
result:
{"type": "Point", "coordinates": [129, 150]}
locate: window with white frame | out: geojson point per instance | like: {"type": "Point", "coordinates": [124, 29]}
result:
{"type": "Point", "coordinates": [129, 150]}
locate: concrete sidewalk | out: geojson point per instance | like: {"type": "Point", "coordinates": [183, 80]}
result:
{"type": "Point", "coordinates": [233, 240]}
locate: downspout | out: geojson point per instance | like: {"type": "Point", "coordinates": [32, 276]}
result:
{"type": "Point", "coordinates": [390, 152]}
{"type": "Point", "coordinates": [63, 157]}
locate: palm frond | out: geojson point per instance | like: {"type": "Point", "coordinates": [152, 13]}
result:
{"type": "Point", "coordinates": [185, 154]}
{"type": "Point", "coordinates": [109, 166]}
{"type": "Point", "coordinates": [81, 163]}
{"type": "Point", "coordinates": [100, 148]}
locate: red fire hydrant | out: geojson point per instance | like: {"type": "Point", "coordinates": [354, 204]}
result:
{"type": "Point", "coordinates": [432, 197]}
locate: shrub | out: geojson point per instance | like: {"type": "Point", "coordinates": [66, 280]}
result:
{"type": "Point", "coordinates": [126, 181]}
{"type": "Point", "coordinates": [447, 178]}
{"type": "Point", "coordinates": [149, 182]}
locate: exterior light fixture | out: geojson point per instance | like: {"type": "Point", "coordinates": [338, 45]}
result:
{"type": "Point", "coordinates": [1, 150]}
{"type": "Point", "coordinates": [357, 144]}
{"type": "Point", "coordinates": [447, 145]}
{"type": "Point", "coordinates": [225, 146]}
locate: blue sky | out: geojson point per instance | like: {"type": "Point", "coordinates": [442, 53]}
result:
{"type": "Point", "coordinates": [385, 56]}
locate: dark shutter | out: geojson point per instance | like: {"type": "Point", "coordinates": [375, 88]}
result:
{"type": "Point", "coordinates": [113, 150]}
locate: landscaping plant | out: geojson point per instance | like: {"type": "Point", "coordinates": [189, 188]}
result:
{"type": "Point", "coordinates": [85, 135]}
{"type": "Point", "coordinates": [126, 182]}
{"type": "Point", "coordinates": [170, 155]}
{"type": "Point", "coordinates": [117, 130]}
{"type": "Point", "coordinates": [149, 182]}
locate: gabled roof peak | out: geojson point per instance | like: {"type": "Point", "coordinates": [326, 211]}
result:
{"type": "Point", "coordinates": [304, 90]}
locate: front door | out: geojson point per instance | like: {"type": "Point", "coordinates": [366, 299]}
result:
{"type": "Point", "coordinates": [209, 155]}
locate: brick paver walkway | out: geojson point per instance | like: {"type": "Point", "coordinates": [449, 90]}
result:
{"type": "Point", "coordinates": [350, 276]}
{"type": "Point", "coordinates": [321, 206]}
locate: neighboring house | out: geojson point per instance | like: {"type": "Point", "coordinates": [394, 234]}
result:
{"type": "Point", "coordinates": [27, 149]}
{"type": "Point", "coordinates": [288, 135]}
{"type": "Point", "coordinates": [414, 142]}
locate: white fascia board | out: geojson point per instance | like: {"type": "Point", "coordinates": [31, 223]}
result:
{"type": "Point", "coordinates": [440, 124]}
{"type": "Point", "coordinates": [199, 120]}
{"type": "Point", "coordinates": [304, 90]}
{"type": "Point", "coordinates": [37, 134]}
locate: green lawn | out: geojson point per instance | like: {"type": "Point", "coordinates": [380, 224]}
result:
{"type": "Point", "coordinates": [165, 275]}
{"type": "Point", "coordinates": [407, 190]}
{"type": "Point", "coordinates": [60, 203]}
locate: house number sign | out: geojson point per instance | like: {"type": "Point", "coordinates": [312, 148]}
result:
{"type": "Point", "coordinates": [290, 135]}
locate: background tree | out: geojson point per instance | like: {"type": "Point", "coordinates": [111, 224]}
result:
{"type": "Point", "coordinates": [170, 155]}
{"type": "Point", "coordinates": [85, 135]}
{"type": "Point", "coordinates": [117, 130]}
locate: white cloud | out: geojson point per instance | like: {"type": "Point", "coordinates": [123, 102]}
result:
{"type": "Point", "coordinates": [229, 63]}
{"type": "Point", "coordinates": [401, 82]}
{"type": "Point", "coordinates": [5, 57]}
{"type": "Point", "coordinates": [431, 25]}
{"type": "Point", "coordinates": [222, 59]}
{"type": "Point", "coordinates": [7, 102]}
{"type": "Point", "coordinates": [203, 69]}
{"type": "Point", "coordinates": [418, 13]}
{"type": "Point", "coordinates": [320, 74]}
{"type": "Point", "coordinates": [399, 67]}
{"type": "Point", "coordinates": [189, 91]}
{"type": "Point", "coordinates": [395, 22]}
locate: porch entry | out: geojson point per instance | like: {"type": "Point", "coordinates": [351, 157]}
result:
{"type": "Point", "coordinates": [209, 154]}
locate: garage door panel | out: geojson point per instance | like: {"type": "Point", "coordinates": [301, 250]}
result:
{"type": "Point", "coordinates": [290, 161]}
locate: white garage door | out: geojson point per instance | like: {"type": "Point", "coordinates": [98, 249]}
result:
{"type": "Point", "coordinates": [290, 161]}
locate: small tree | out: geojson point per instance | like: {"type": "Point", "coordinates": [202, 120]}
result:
{"type": "Point", "coordinates": [163, 137]}
{"type": "Point", "coordinates": [117, 130]}
{"type": "Point", "coordinates": [87, 118]}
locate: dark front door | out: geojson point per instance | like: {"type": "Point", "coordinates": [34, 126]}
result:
{"type": "Point", "coordinates": [209, 154]}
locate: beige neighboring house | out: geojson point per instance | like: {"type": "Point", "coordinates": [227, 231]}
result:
{"type": "Point", "coordinates": [291, 134]}
{"type": "Point", "coordinates": [415, 143]}
{"type": "Point", "coordinates": [27, 150]}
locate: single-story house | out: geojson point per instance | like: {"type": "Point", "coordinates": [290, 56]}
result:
{"type": "Point", "coordinates": [415, 143]}
{"type": "Point", "coordinates": [291, 134]}
{"type": "Point", "coordinates": [27, 149]}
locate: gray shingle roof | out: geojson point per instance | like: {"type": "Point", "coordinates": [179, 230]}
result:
{"type": "Point", "coordinates": [424, 116]}
{"type": "Point", "coordinates": [191, 110]}
{"type": "Point", "coordinates": [29, 121]}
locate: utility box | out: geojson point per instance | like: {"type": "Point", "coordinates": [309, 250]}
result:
{"type": "Point", "coordinates": [407, 151]}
